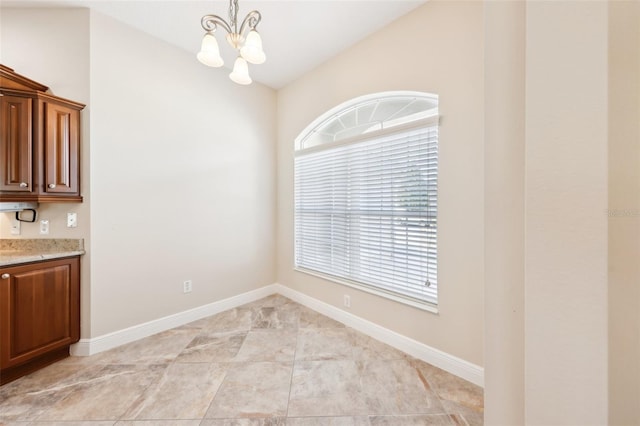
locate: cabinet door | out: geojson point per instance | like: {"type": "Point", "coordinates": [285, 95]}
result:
{"type": "Point", "coordinates": [16, 157]}
{"type": "Point", "coordinates": [61, 150]}
{"type": "Point", "coordinates": [39, 309]}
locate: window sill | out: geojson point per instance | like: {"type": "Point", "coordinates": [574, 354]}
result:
{"type": "Point", "coordinates": [425, 306]}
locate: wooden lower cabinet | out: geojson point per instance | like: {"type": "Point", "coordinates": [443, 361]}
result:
{"type": "Point", "coordinates": [39, 315]}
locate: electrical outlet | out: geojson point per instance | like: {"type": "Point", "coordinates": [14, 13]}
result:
{"type": "Point", "coordinates": [72, 220]}
{"type": "Point", "coordinates": [44, 226]}
{"type": "Point", "coordinates": [347, 301]}
{"type": "Point", "coordinates": [187, 286]}
{"type": "Point", "coordinates": [15, 227]}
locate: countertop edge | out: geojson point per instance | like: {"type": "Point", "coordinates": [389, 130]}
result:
{"type": "Point", "coordinates": [18, 259]}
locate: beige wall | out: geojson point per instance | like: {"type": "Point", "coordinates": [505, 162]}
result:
{"type": "Point", "coordinates": [565, 225]}
{"type": "Point", "coordinates": [624, 212]}
{"type": "Point", "coordinates": [583, 96]}
{"type": "Point", "coordinates": [51, 46]}
{"type": "Point", "coordinates": [183, 180]}
{"type": "Point", "coordinates": [436, 49]}
{"type": "Point", "coordinates": [504, 212]}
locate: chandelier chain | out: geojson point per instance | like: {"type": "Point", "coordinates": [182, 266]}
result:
{"type": "Point", "coordinates": [233, 14]}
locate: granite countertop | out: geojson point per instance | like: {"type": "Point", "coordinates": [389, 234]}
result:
{"type": "Point", "coordinates": [17, 251]}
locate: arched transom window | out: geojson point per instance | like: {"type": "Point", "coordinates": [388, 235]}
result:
{"type": "Point", "coordinates": [366, 180]}
{"type": "Point", "coordinates": [368, 114]}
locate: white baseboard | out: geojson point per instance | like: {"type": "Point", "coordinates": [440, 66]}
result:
{"type": "Point", "coordinates": [454, 365]}
{"type": "Point", "coordinates": [86, 347]}
{"type": "Point", "coordinates": [436, 357]}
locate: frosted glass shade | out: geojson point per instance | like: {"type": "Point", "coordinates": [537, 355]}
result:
{"type": "Point", "coordinates": [209, 52]}
{"type": "Point", "coordinates": [240, 73]}
{"type": "Point", "coordinates": [252, 48]}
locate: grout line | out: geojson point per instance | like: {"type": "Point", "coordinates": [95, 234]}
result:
{"type": "Point", "coordinates": [293, 364]}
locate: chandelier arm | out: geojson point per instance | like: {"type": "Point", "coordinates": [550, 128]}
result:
{"type": "Point", "coordinates": [252, 20]}
{"type": "Point", "coordinates": [211, 22]}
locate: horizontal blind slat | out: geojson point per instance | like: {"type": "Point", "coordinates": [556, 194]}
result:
{"type": "Point", "coordinates": [367, 212]}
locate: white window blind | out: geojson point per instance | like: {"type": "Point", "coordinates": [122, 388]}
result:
{"type": "Point", "coordinates": [366, 211]}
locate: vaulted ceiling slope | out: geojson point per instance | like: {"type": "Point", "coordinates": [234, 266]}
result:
{"type": "Point", "coordinates": [298, 35]}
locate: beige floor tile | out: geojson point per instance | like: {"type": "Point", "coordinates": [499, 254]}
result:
{"type": "Point", "coordinates": [464, 415]}
{"type": "Point", "coordinates": [284, 316]}
{"type": "Point", "coordinates": [268, 421]}
{"type": "Point", "coordinates": [237, 319]}
{"type": "Point", "coordinates": [268, 345]}
{"type": "Point", "coordinates": [272, 301]}
{"type": "Point", "coordinates": [157, 349]}
{"type": "Point", "coordinates": [367, 348]}
{"type": "Point", "coordinates": [419, 420]}
{"type": "Point", "coordinates": [79, 423]}
{"type": "Point", "coordinates": [328, 421]}
{"type": "Point", "coordinates": [106, 396]}
{"type": "Point", "coordinates": [327, 388]}
{"type": "Point", "coordinates": [28, 397]}
{"type": "Point", "coordinates": [79, 361]}
{"type": "Point", "coordinates": [395, 387]}
{"type": "Point", "coordinates": [253, 390]}
{"type": "Point", "coordinates": [183, 391]}
{"type": "Point", "coordinates": [220, 346]}
{"type": "Point", "coordinates": [452, 388]}
{"type": "Point", "coordinates": [27, 407]}
{"type": "Point", "coordinates": [56, 375]}
{"type": "Point", "coordinates": [316, 344]}
{"type": "Point", "coordinates": [250, 366]}
{"type": "Point", "coordinates": [158, 423]}
{"type": "Point", "coordinates": [311, 319]}
{"type": "Point", "coordinates": [276, 300]}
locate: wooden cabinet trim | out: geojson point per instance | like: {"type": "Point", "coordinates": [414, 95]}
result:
{"type": "Point", "coordinates": [10, 79]}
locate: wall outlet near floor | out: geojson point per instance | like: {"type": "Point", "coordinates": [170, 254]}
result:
{"type": "Point", "coordinates": [15, 226]}
{"type": "Point", "coordinates": [187, 286]}
{"type": "Point", "coordinates": [44, 226]}
{"type": "Point", "coordinates": [347, 301]}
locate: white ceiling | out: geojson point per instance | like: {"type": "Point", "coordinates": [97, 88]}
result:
{"type": "Point", "coordinates": [297, 35]}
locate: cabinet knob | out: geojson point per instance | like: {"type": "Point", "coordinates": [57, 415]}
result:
{"type": "Point", "coordinates": [23, 184]}
{"type": "Point", "coordinates": [5, 276]}
{"type": "Point", "coordinates": [52, 185]}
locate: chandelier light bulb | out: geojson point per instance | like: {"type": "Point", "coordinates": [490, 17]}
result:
{"type": "Point", "coordinates": [209, 52]}
{"type": "Point", "coordinates": [240, 73]}
{"type": "Point", "coordinates": [252, 48]}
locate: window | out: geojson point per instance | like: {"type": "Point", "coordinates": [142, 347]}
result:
{"type": "Point", "coordinates": [366, 177]}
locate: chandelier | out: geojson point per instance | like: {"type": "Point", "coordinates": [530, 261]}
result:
{"type": "Point", "coordinates": [244, 39]}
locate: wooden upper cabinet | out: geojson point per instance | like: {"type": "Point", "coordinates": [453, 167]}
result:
{"type": "Point", "coordinates": [61, 149]}
{"type": "Point", "coordinates": [16, 155]}
{"type": "Point", "coordinates": [40, 142]}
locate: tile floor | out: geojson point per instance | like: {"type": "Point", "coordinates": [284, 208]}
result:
{"type": "Point", "coordinates": [269, 363]}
